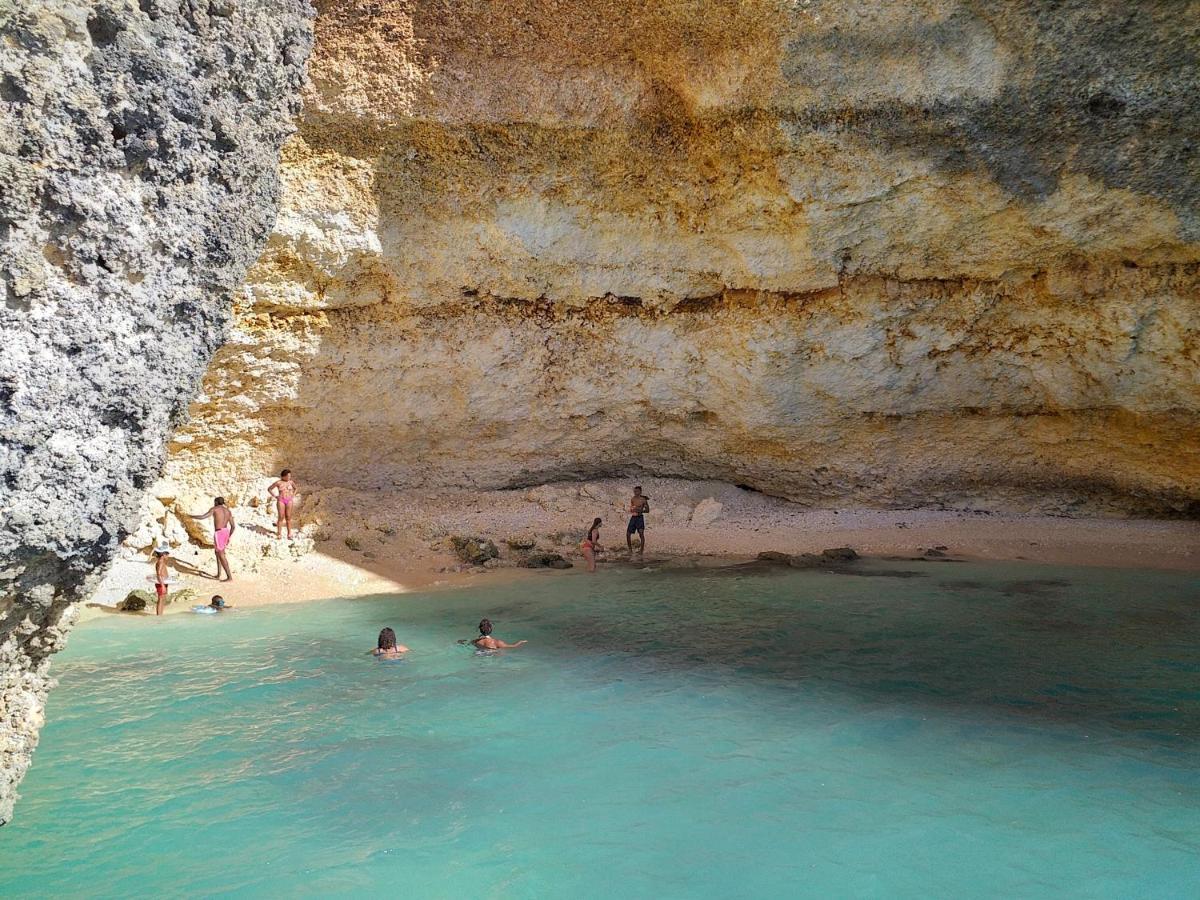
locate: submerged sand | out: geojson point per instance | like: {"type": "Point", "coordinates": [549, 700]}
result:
{"type": "Point", "coordinates": [357, 543]}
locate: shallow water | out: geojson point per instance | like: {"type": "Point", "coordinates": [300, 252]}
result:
{"type": "Point", "coordinates": [974, 730]}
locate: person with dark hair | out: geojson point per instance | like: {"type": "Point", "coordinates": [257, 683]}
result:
{"type": "Point", "coordinates": [387, 646]}
{"type": "Point", "coordinates": [284, 492]}
{"type": "Point", "coordinates": [485, 641]}
{"type": "Point", "coordinates": [639, 505]}
{"type": "Point", "coordinates": [590, 544]}
{"type": "Point", "coordinates": [214, 606]}
{"type": "Point", "coordinates": [223, 528]}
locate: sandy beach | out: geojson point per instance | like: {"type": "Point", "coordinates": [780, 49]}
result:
{"type": "Point", "coordinates": [356, 543]}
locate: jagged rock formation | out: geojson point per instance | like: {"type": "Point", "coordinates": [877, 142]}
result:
{"type": "Point", "coordinates": [941, 252]}
{"type": "Point", "coordinates": [138, 153]}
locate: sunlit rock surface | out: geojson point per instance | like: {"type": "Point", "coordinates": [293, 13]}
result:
{"type": "Point", "coordinates": [139, 147]}
{"type": "Point", "coordinates": [935, 253]}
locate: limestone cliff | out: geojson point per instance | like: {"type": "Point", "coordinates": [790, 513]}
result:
{"type": "Point", "coordinates": [938, 252]}
{"type": "Point", "coordinates": [139, 147]}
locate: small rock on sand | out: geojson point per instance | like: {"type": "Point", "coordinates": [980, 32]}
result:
{"type": "Point", "coordinates": [775, 556]}
{"type": "Point", "coordinates": [840, 554]}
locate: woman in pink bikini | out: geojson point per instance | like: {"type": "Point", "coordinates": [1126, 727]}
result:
{"type": "Point", "coordinates": [223, 527]}
{"type": "Point", "coordinates": [590, 544]}
{"type": "Point", "coordinates": [284, 492]}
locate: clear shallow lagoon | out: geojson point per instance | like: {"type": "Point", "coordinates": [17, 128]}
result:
{"type": "Point", "coordinates": [973, 730]}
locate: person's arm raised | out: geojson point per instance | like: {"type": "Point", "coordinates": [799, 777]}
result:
{"type": "Point", "coordinates": [207, 515]}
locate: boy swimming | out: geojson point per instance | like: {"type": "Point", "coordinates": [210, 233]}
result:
{"type": "Point", "coordinates": [485, 641]}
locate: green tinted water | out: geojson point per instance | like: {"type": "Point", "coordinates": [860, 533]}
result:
{"type": "Point", "coordinates": [974, 730]}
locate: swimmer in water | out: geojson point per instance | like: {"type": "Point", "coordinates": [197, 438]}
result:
{"type": "Point", "coordinates": [485, 641]}
{"type": "Point", "coordinates": [216, 605]}
{"type": "Point", "coordinates": [387, 647]}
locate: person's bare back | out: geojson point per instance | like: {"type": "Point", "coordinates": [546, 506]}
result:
{"type": "Point", "coordinates": [485, 641]}
{"type": "Point", "coordinates": [223, 528]}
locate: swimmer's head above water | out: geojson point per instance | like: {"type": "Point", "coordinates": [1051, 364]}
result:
{"type": "Point", "coordinates": [217, 602]}
{"type": "Point", "coordinates": [387, 639]}
{"type": "Point", "coordinates": [485, 627]}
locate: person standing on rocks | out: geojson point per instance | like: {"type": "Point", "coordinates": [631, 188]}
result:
{"type": "Point", "coordinates": [223, 526]}
{"type": "Point", "coordinates": [284, 492]}
{"type": "Point", "coordinates": [639, 505]}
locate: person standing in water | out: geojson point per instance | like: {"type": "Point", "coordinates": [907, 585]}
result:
{"type": "Point", "coordinates": [485, 641]}
{"type": "Point", "coordinates": [639, 505]}
{"type": "Point", "coordinates": [284, 492]}
{"type": "Point", "coordinates": [162, 576]}
{"type": "Point", "coordinates": [223, 527]}
{"type": "Point", "coordinates": [387, 646]}
{"type": "Point", "coordinates": [590, 544]}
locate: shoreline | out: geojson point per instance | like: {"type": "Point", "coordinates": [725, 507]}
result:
{"type": "Point", "coordinates": [352, 545]}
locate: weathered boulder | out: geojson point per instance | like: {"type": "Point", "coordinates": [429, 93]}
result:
{"type": "Point", "coordinates": [474, 551]}
{"type": "Point", "coordinates": [545, 561]}
{"type": "Point", "coordinates": [707, 511]}
{"type": "Point", "coordinates": [139, 145]}
{"type": "Point", "coordinates": [774, 556]}
{"type": "Point", "coordinates": [136, 601]}
{"type": "Point", "coordinates": [840, 554]}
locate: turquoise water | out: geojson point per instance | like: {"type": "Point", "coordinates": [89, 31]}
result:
{"type": "Point", "coordinates": [952, 730]}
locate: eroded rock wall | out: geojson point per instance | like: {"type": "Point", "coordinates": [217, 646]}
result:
{"type": "Point", "coordinates": [940, 252]}
{"type": "Point", "coordinates": [139, 148]}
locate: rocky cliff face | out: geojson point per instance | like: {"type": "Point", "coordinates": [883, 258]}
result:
{"type": "Point", "coordinates": [941, 252]}
{"type": "Point", "coordinates": [844, 251]}
{"type": "Point", "coordinates": [138, 153]}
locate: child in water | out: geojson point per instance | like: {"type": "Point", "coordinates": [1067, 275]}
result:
{"type": "Point", "coordinates": [485, 641]}
{"type": "Point", "coordinates": [387, 646]}
{"type": "Point", "coordinates": [216, 605]}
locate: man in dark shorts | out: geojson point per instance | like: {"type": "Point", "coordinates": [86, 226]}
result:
{"type": "Point", "coordinates": [639, 505]}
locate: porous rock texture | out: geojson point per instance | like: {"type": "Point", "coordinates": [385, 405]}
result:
{"type": "Point", "coordinates": [857, 252]}
{"type": "Point", "coordinates": [139, 147]}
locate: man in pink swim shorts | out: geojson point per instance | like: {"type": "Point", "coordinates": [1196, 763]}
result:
{"type": "Point", "coordinates": [223, 527]}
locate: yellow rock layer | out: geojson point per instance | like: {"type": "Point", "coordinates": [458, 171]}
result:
{"type": "Point", "coordinates": [772, 243]}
